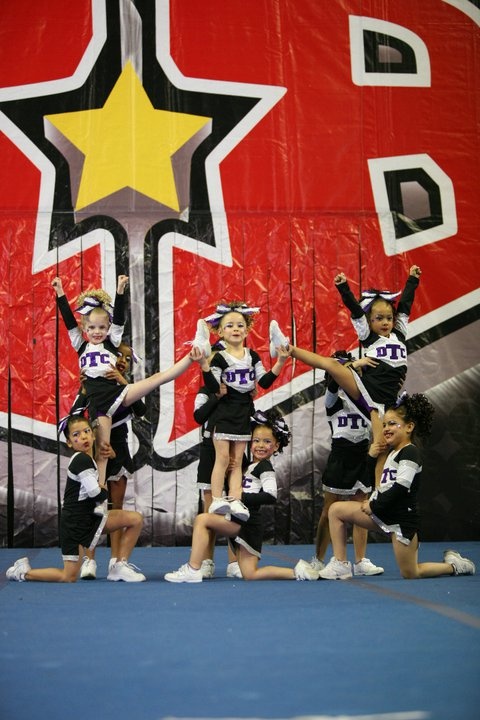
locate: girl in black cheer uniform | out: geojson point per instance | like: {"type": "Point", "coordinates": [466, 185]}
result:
{"type": "Point", "coordinates": [239, 369]}
{"type": "Point", "coordinates": [392, 507]}
{"type": "Point", "coordinates": [80, 526]}
{"type": "Point", "coordinates": [96, 343]}
{"type": "Point", "coordinates": [381, 328]}
{"type": "Point", "coordinates": [270, 435]}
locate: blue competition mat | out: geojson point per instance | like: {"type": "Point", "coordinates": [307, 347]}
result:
{"type": "Point", "coordinates": [377, 647]}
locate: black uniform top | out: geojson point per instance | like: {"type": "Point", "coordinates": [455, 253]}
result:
{"type": "Point", "coordinates": [396, 497]}
{"type": "Point", "coordinates": [82, 491]}
{"type": "Point", "coordinates": [384, 381]}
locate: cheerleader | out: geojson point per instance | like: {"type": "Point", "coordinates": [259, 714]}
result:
{"type": "Point", "coordinates": [240, 369]}
{"type": "Point", "coordinates": [392, 508]}
{"type": "Point", "coordinates": [80, 526]}
{"type": "Point", "coordinates": [381, 330]}
{"type": "Point", "coordinates": [344, 474]}
{"type": "Point", "coordinates": [270, 435]}
{"type": "Point", "coordinates": [96, 342]}
{"type": "Point", "coordinates": [120, 467]}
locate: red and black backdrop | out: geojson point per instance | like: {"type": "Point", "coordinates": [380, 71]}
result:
{"type": "Point", "coordinates": [247, 149]}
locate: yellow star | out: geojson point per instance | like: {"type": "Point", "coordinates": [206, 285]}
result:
{"type": "Point", "coordinates": [128, 143]}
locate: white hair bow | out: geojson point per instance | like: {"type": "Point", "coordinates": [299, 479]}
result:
{"type": "Point", "coordinates": [369, 297]}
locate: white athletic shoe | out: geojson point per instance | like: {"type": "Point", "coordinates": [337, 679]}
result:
{"type": "Point", "coordinates": [366, 567]}
{"type": "Point", "coordinates": [122, 570]}
{"type": "Point", "coordinates": [277, 339]}
{"type": "Point", "coordinates": [317, 564]}
{"type": "Point", "coordinates": [88, 571]}
{"type": "Point", "coordinates": [461, 565]}
{"type": "Point", "coordinates": [111, 563]}
{"type": "Point", "coordinates": [304, 571]}
{"type": "Point", "coordinates": [101, 509]}
{"type": "Point", "coordinates": [208, 569]}
{"type": "Point", "coordinates": [233, 571]}
{"type": "Point", "coordinates": [239, 511]}
{"type": "Point", "coordinates": [202, 338]}
{"type": "Point", "coordinates": [18, 570]}
{"type": "Point", "coordinates": [336, 570]}
{"type": "Point", "coordinates": [219, 506]}
{"type": "Point", "coordinates": [184, 574]}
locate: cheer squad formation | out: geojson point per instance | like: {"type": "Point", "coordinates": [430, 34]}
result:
{"type": "Point", "coordinates": [370, 482]}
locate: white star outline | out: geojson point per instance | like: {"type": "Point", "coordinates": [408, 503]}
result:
{"type": "Point", "coordinates": [44, 258]}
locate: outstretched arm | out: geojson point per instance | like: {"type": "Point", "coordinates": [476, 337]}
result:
{"type": "Point", "coordinates": [58, 287]}
{"type": "Point", "coordinates": [348, 298]}
{"type": "Point", "coordinates": [283, 356]}
{"type": "Point", "coordinates": [415, 271]}
{"type": "Point", "coordinates": [176, 370]}
{"type": "Point", "coordinates": [141, 388]}
{"type": "Point", "coordinates": [408, 295]}
{"type": "Point", "coordinates": [118, 319]}
{"type": "Point", "coordinates": [122, 282]}
{"type": "Point", "coordinates": [269, 378]}
{"type": "Point", "coordinates": [66, 312]}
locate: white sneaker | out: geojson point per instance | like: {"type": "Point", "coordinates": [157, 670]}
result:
{"type": "Point", "coordinates": [461, 565]}
{"type": "Point", "coordinates": [219, 506]}
{"type": "Point", "coordinates": [111, 563]}
{"type": "Point", "coordinates": [366, 567]}
{"type": "Point", "coordinates": [202, 338]}
{"type": "Point", "coordinates": [18, 570]}
{"type": "Point", "coordinates": [101, 509]}
{"type": "Point", "coordinates": [317, 564]}
{"type": "Point", "coordinates": [88, 571]}
{"type": "Point", "coordinates": [277, 339]}
{"type": "Point", "coordinates": [239, 511]}
{"type": "Point", "coordinates": [336, 570]}
{"type": "Point", "coordinates": [208, 569]}
{"type": "Point", "coordinates": [184, 574]}
{"type": "Point", "coordinates": [233, 571]}
{"type": "Point", "coordinates": [304, 571]}
{"type": "Point", "coordinates": [123, 570]}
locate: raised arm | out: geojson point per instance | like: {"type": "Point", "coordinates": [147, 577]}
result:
{"type": "Point", "coordinates": [58, 286]}
{"type": "Point", "coordinates": [408, 295]}
{"type": "Point", "coordinates": [266, 380]}
{"type": "Point", "coordinates": [119, 309]}
{"type": "Point", "coordinates": [122, 282]}
{"type": "Point", "coordinates": [64, 307]}
{"type": "Point", "coordinates": [348, 298]}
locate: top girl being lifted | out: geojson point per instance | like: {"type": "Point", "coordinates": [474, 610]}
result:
{"type": "Point", "coordinates": [240, 369]}
{"type": "Point", "coordinates": [382, 331]}
{"type": "Point", "coordinates": [96, 342]}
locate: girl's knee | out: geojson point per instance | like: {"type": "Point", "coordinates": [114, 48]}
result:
{"type": "Point", "coordinates": [222, 463]}
{"type": "Point", "coordinates": [328, 501]}
{"type": "Point", "coordinates": [201, 520]}
{"type": "Point", "coordinates": [69, 576]}
{"type": "Point", "coordinates": [409, 574]}
{"type": "Point", "coordinates": [126, 519]}
{"type": "Point", "coordinates": [335, 509]}
{"type": "Point", "coordinates": [249, 574]}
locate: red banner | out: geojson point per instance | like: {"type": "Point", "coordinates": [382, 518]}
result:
{"type": "Point", "coordinates": [236, 150]}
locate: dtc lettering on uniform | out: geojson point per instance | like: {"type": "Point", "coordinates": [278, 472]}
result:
{"type": "Point", "coordinates": [388, 475]}
{"type": "Point", "coordinates": [351, 420]}
{"type": "Point", "coordinates": [241, 375]}
{"type": "Point", "coordinates": [95, 359]}
{"type": "Point", "coordinates": [393, 351]}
